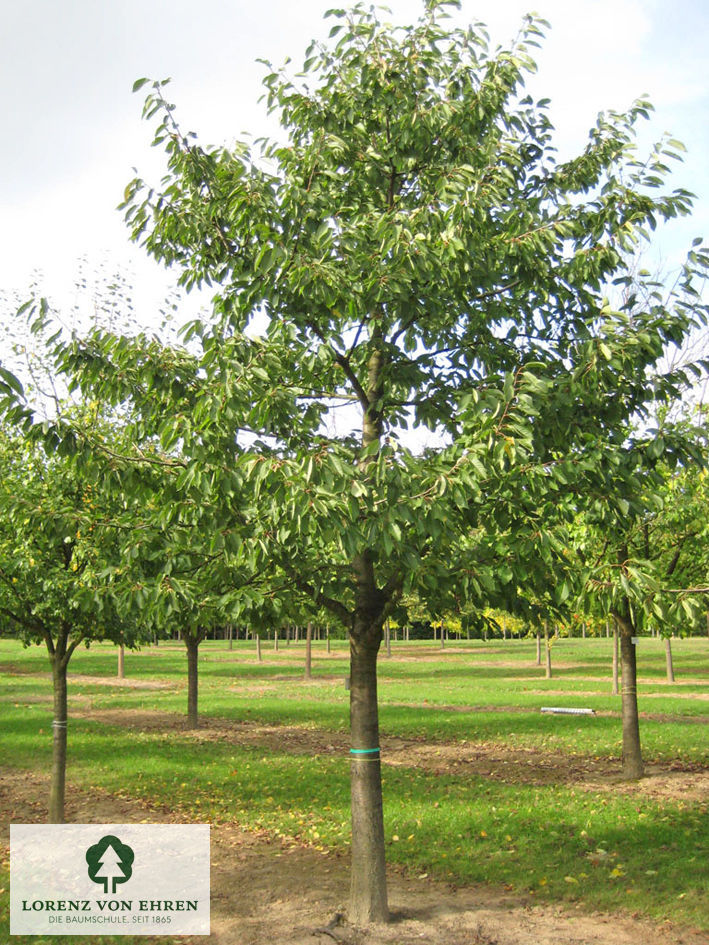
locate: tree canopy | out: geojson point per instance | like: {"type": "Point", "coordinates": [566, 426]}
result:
{"type": "Point", "coordinates": [411, 256]}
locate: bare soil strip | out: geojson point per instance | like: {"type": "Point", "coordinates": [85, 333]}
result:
{"type": "Point", "coordinates": [514, 765]}
{"type": "Point", "coordinates": [267, 892]}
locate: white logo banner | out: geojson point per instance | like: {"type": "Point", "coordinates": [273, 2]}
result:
{"type": "Point", "coordinates": [109, 879]}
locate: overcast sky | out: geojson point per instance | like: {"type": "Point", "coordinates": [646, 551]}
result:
{"type": "Point", "coordinates": [71, 129]}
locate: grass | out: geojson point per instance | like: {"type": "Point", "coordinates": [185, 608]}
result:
{"type": "Point", "coordinates": [605, 849]}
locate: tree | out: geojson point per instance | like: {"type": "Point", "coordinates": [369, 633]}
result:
{"type": "Point", "coordinates": [421, 260]}
{"type": "Point", "coordinates": [56, 547]}
{"type": "Point", "coordinates": [631, 545]}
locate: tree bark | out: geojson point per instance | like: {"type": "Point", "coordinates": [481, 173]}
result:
{"type": "Point", "coordinates": [443, 635]}
{"type": "Point", "coordinates": [327, 637]}
{"type": "Point", "coordinates": [192, 645]}
{"type": "Point", "coordinates": [668, 660]}
{"type": "Point", "coordinates": [368, 890]}
{"type": "Point", "coordinates": [309, 651]}
{"type": "Point", "coordinates": [615, 660]}
{"type": "Point", "coordinates": [547, 646]}
{"type": "Point", "coordinates": [259, 658]}
{"type": "Point", "coordinates": [275, 639]}
{"type": "Point", "coordinates": [121, 661]}
{"type": "Point", "coordinates": [632, 757]}
{"type": "Point", "coordinates": [59, 740]}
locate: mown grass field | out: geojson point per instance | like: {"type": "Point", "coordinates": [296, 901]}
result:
{"type": "Point", "coordinates": [480, 786]}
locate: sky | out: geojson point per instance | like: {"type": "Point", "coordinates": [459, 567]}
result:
{"type": "Point", "coordinates": [72, 132]}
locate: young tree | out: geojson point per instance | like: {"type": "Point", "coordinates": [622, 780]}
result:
{"type": "Point", "coordinates": [56, 546]}
{"type": "Point", "coordinates": [421, 259]}
{"type": "Point", "coordinates": [631, 552]}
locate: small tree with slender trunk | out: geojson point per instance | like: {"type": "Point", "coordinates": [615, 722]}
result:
{"type": "Point", "coordinates": [57, 550]}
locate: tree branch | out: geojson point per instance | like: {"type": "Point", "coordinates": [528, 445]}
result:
{"type": "Point", "coordinates": [344, 363]}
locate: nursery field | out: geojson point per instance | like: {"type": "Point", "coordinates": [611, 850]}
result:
{"type": "Point", "coordinates": [485, 795]}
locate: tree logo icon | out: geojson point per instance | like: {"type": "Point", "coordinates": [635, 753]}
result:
{"type": "Point", "coordinates": [110, 862]}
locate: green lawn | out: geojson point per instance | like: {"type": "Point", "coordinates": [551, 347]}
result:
{"type": "Point", "coordinates": [607, 849]}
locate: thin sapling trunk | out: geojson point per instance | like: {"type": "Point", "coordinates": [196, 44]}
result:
{"type": "Point", "coordinates": [668, 660]}
{"type": "Point", "coordinates": [59, 742]}
{"type": "Point", "coordinates": [192, 645]}
{"type": "Point", "coordinates": [547, 647]}
{"type": "Point", "coordinates": [309, 651]}
{"type": "Point", "coordinates": [632, 757]}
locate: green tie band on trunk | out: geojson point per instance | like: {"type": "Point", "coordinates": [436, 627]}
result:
{"type": "Point", "coordinates": [364, 751]}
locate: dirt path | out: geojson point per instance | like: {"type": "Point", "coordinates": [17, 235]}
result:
{"type": "Point", "coordinates": [265, 892]}
{"type": "Point", "coordinates": [516, 765]}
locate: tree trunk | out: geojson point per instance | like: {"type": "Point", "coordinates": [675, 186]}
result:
{"type": "Point", "coordinates": [547, 647]}
{"type": "Point", "coordinates": [59, 737]}
{"type": "Point", "coordinates": [309, 651]}
{"type": "Point", "coordinates": [121, 661]}
{"type": "Point", "coordinates": [615, 660]}
{"type": "Point", "coordinates": [275, 639]}
{"type": "Point", "coordinates": [231, 636]}
{"type": "Point", "coordinates": [259, 658]}
{"type": "Point", "coordinates": [668, 660]}
{"type": "Point", "coordinates": [387, 637]}
{"type": "Point", "coordinates": [539, 648]}
{"type": "Point", "coordinates": [192, 645]}
{"type": "Point", "coordinates": [327, 637]}
{"type": "Point", "coordinates": [632, 756]}
{"type": "Point", "coordinates": [443, 635]}
{"type": "Point", "coordinates": [368, 891]}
